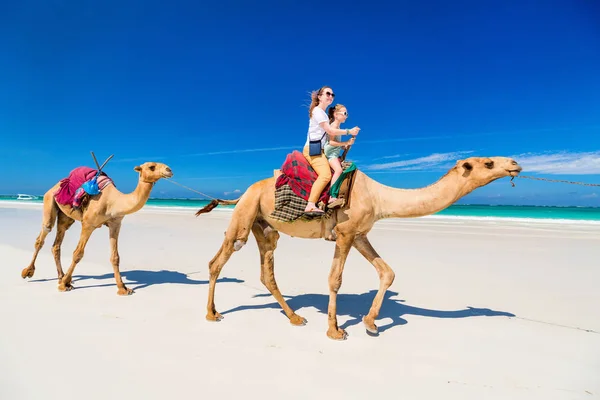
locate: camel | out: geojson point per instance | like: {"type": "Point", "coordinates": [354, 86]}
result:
{"type": "Point", "coordinates": [369, 201]}
{"type": "Point", "coordinates": [109, 207]}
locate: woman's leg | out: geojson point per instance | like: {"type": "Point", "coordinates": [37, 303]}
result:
{"type": "Point", "coordinates": [321, 166]}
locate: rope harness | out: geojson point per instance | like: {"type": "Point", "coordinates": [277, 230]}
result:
{"type": "Point", "coordinates": [551, 180]}
{"type": "Point", "coordinates": [176, 183]}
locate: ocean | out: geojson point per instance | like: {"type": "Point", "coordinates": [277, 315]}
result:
{"type": "Point", "coordinates": [474, 211]}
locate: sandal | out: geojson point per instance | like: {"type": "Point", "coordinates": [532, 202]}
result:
{"type": "Point", "coordinates": [336, 203]}
{"type": "Point", "coordinates": [314, 212]}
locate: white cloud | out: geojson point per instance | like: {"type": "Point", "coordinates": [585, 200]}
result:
{"type": "Point", "coordinates": [560, 163]}
{"type": "Point", "coordinates": [232, 192]}
{"type": "Point", "coordinates": [432, 161]}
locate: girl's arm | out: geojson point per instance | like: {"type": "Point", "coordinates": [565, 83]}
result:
{"type": "Point", "coordinates": [332, 132]}
{"type": "Point", "coordinates": [346, 143]}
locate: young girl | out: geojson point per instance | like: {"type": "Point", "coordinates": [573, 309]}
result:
{"type": "Point", "coordinates": [318, 129]}
{"type": "Point", "coordinates": [337, 116]}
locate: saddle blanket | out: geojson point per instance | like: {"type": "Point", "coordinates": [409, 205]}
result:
{"type": "Point", "coordinates": [292, 188]}
{"type": "Point", "coordinates": [300, 176]}
{"type": "Point", "coordinates": [77, 177]}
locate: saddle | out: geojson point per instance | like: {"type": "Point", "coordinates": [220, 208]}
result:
{"type": "Point", "coordinates": [81, 183]}
{"type": "Point", "coordinates": [292, 188]}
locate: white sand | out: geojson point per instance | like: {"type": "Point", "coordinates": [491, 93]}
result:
{"type": "Point", "coordinates": [156, 344]}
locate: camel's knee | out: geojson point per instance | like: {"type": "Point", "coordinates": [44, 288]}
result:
{"type": "Point", "coordinates": [48, 227]}
{"type": "Point", "coordinates": [388, 278]}
{"type": "Point", "coordinates": [238, 244]}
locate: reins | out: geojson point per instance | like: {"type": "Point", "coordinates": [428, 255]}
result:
{"type": "Point", "coordinates": [183, 186]}
{"type": "Point", "coordinates": [552, 180]}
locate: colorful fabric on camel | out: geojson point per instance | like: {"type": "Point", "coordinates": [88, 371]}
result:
{"type": "Point", "coordinates": [77, 177]}
{"type": "Point", "coordinates": [292, 188]}
{"type": "Point", "coordinates": [300, 176]}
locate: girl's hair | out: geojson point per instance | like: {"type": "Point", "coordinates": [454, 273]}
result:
{"type": "Point", "coordinates": [332, 110]}
{"type": "Point", "coordinates": [314, 97]}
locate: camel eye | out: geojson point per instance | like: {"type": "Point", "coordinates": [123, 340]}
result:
{"type": "Point", "coordinates": [489, 164]}
{"type": "Point", "coordinates": [152, 168]}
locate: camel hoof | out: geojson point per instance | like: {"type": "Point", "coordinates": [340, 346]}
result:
{"type": "Point", "coordinates": [125, 292]}
{"type": "Point", "coordinates": [27, 272]}
{"type": "Point", "coordinates": [216, 317]}
{"type": "Point", "coordinates": [371, 328]}
{"type": "Point", "coordinates": [65, 288]}
{"type": "Point", "coordinates": [297, 320]}
{"type": "Point", "coordinates": [338, 334]}
{"type": "Point", "coordinates": [372, 333]}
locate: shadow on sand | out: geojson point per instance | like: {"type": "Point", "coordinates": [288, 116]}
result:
{"type": "Point", "coordinates": [350, 304]}
{"type": "Point", "coordinates": [140, 279]}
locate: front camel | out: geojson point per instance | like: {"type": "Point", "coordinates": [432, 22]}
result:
{"type": "Point", "coordinates": [370, 201]}
{"type": "Point", "coordinates": [109, 207]}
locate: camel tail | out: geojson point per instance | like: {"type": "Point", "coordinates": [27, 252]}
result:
{"type": "Point", "coordinates": [208, 208]}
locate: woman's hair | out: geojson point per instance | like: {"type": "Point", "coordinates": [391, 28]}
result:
{"type": "Point", "coordinates": [332, 110]}
{"type": "Point", "coordinates": [314, 97]}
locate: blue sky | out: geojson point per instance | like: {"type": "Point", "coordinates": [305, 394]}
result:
{"type": "Point", "coordinates": [218, 90]}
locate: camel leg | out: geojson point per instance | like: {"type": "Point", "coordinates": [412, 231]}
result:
{"type": "Point", "coordinates": [267, 243]}
{"type": "Point", "coordinates": [236, 237]}
{"type": "Point", "coordinates": [114, 229]}
{"type": "Point", "coordinates": [328, 225]}
{"type": "Point", "coordinates": [64, 223]}
{"type": "Point", "coordinates": [343, 244]}
{"type": "Point", "coordinates": [86, 231]}
{"type": "Point", "coordinates": [386, 278]}
{"type": "Point", "coordinates": [49, 214]}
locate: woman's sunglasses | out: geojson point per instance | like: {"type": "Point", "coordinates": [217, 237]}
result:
{"type": "Point", "coordinates": [330, 94]}
{"type": "Point", "coordinates": [344, 113]}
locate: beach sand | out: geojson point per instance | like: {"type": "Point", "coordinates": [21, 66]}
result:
{"type": "Point", "coordinates": [478, 310]}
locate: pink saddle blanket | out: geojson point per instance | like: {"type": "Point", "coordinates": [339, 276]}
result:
{"type": "Point", "coordinates": [69, 185]}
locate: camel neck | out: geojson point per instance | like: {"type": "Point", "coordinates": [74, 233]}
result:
{"type": "Point", "coordinates": [134, 201]}
{"type": "Point", "coordinates": [408, 203]}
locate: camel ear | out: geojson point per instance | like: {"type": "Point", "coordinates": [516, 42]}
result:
{"type": "Point", "coordinates": [467, 165]}
{"type": "Point", "coordinates": [137, 168]}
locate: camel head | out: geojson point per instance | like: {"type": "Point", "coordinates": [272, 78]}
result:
{"type": "Point", "coordinates": [480, 171]}
{"type": "Point", "coordinates": [151, 172]}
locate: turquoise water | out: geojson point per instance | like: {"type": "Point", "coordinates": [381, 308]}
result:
{"type": "Point", "coordinates": [473, 211]}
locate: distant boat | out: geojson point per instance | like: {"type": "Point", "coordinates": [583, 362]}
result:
{"type": "Point", "coordinates": [26, 197]}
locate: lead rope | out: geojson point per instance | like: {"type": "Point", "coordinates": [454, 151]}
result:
{"type": "Point", "coordinates": [552, 180]}
{"type": "Point", "coordinates": [183, 186]}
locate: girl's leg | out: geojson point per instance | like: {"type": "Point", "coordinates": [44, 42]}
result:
{"type": "Point", "coordinates": [337, 171]}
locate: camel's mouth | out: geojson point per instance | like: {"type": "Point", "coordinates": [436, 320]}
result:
{"type": "Point", "coordinates": [167, 174]}
{"type": "Point", "coordinates": [514, 172]}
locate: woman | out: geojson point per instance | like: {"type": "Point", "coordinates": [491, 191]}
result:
{"type": "Point", "coordinates": [318, 129]}
{"type": "Point", "coordinates": [337, 116]}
